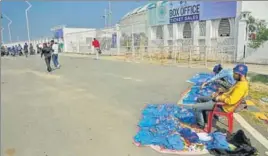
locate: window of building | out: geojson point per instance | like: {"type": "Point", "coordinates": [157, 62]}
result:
{"type": "Point", "coordinates": [187, 30]}
{"type": "Point", "coordinates": [202, 28]}
{"type": "Point", "coordinates": [224, 28]}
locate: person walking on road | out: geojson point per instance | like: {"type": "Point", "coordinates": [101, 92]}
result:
{"type": "Point", "coordinates": [20, 50]}
{"type": "Point", "coordinates": [96, 45]}
{"type": "Point", "coordinates": [25, 48]}
{"type": "Point", "coordinates": [55, 53]}
{"type": "Point", "coordinates": [46, 51]}
{"type": "Point", "coordinates": [31, 49]}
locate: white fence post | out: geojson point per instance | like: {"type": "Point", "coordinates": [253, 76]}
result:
{"type": "Point", "coordinates": [118, 35]}
{"type": "Point", "coordinates": [132, 42]}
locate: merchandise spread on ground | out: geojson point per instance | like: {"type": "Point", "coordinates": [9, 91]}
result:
{"type": "Point", "coordinates": [169, 128]}
{"type": "Point", "coordinates": [196, 91]}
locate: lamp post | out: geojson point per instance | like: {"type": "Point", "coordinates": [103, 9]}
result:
{"type": "Point", "coordinates": [10, 22]}
{"type": "Point", "coordinates": [27, 20]}
{"type": "Point", "coordinates": [2, 37]}
{"type": "Point", "coordinates": [110, 15]}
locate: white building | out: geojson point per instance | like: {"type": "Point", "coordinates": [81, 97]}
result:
{"type": "Point", "coordinates": [219, 25]}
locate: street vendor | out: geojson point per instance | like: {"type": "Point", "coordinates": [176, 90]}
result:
{"type": "Point", "coordinates": [224, 77]}
{"type": "Point", "coordinates": [231, 97]}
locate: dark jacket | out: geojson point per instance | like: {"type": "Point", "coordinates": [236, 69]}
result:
{"type": "Point", "coordinates": [46, 51]}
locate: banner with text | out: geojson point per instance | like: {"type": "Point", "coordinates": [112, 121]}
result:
{"type": "Point", "coordinates": [187, 11]}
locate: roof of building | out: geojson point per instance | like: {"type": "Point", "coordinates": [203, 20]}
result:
{"type": "Point", "coordinates": [144, 8]}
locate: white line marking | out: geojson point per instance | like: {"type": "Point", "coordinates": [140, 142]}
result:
{"type": "Point", "coordinates": [257, 135]}
{"type": "Point", "coordinates": [124, 77]}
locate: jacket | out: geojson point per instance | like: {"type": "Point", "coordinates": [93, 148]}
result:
{"type": "Point", "coordinates": [96, 43]}
{"type": "Point", "coordinates": [234, 95]}
{"type": "Point", "coordinates": [226, 74]}
{"type": "Point", "coordinates": [46, 51]}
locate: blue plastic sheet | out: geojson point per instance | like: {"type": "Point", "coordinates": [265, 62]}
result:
{"type": "Point", "coordinates": [196, 91]}
{"type": "Point", "coordinates": [160, 125]}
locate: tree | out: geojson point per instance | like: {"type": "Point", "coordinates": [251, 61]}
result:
{"type": "Point", "coordinates": [259, 27]}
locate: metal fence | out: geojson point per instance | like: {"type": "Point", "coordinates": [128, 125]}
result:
{"type": "Point", "coordinates": [191, 55]}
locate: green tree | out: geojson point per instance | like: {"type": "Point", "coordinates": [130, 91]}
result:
{"type": "Point", "coordinates": [258, 26]}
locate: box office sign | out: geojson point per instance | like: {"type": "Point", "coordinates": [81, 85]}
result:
{"type": "Point", "coordinates": [184, 13]}
{"type": "Point", "coordinates": [176, 11]}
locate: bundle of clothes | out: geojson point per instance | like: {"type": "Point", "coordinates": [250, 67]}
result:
{"type": "Point", "coordinates": [196, 91]}
{"type": "Point", "coordinates": [169, 127]}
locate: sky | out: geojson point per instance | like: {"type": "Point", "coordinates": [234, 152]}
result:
{"type": "Point", "coordinates": [45, 15]}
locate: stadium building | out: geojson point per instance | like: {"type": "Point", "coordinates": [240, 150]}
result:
{"type": "Point", "coordinates": [202, 25]}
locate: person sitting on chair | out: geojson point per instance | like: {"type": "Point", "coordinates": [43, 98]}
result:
{"type": "Point", "coordinates": [230, 98]}
{"type": "Point", "coordinates": [224, 77]}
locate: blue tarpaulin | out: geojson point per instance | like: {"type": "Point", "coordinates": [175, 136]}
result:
{"type": "Point", "coordinates": [196, 90]}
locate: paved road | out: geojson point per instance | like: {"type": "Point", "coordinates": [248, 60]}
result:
{"type": "Point", "coordinates": [87, 107]}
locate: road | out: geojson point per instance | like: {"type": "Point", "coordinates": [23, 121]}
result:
{"type": "Point", "coordinates": [88, 107]}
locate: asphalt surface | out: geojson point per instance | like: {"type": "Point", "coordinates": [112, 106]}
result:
{"type": "Point", "coordinates": [88, 107]}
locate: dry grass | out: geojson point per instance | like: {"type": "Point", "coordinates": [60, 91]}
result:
{"type": "Point", "coordinates": [256, 92]}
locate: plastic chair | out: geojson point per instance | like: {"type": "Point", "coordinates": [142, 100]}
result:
{"type": "Point", "coordinates": [218, 112]}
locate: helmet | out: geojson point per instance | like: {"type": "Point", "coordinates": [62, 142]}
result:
{"type": "Point", "coordinates": [217, 68]}
{"type": "Point", "coordinates": [241, 69]}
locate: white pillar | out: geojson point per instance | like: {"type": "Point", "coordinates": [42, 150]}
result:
{"type": "Point", "coordinates": [195, 35]}
{"type": "Point", "coordinates": [180, 30]}
{"type": "Point", "coordinates": [208, 33]}
{"type": "Point", "coordinates": [118, 35]}
{"type": "Point", "coordinates": [208, 39]}
{"type": "Point", "coordinates": [175, 33]}
{"type": "Point", "coordinates": [241, 39]}
{"type": "Point", "coordinates": [165, 33]}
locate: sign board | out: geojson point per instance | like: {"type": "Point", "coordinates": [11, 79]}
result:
{"type": "Point", "coordinates": [187, 11]}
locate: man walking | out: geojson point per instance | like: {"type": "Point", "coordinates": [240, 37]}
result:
{"type": "Point", "coordinates": [96, 46]}
{"type": "Point", "coordinates": [25, 48]}
{"type": "Point", "coordinates": [20, 50]}
{"type": "Point", "coordinates": [55, 53]}
{"type": "Point", "coordinates": [46, 51]}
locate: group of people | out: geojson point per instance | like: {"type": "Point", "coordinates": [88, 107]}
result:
{"type": "Point", "coordinates": [18, 50]}
{"type": "Point", "coordinates": [233, 89]}
{"type": "Point", "coordinates": [50, 50]}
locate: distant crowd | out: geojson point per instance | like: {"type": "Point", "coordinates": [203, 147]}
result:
{"type": "Point", "coordinates": [49, 50]}
{"type": "Point", "coordinates": [18, 50]}
{"type": "Point", "coordinates": [25, 50]}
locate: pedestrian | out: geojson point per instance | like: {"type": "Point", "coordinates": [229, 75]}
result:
{"type": "Point", "coordinates": [25, 48]}
{"type": "Point", "coordinates": [46, 51]}
{"type": "Point", "coordinates": [13, 53]}
{"type": "Point", "coordinates": [20, 50]}
{"type": "Point", "coordinates": [16, 50]}
{"type": "Point", "coordinates": [55, 53]}
{"type": "Point", "coordinates": [31, 49]}
{"type": "Point", "coordinates": [96, 45]}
